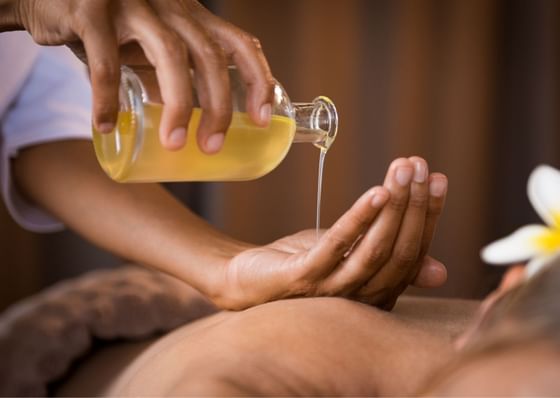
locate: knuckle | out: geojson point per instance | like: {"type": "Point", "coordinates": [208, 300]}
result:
{"type": "Point", "coordinates": [180, 102]}
{"type": "Point", "coordinates": [256, 43]}
{"type": "Point", "coordinates": [266, 83]}
{"type": "Point", "coordinates": [82, 14]}
{"type": "Point", "coordinates": [104, 70]}
{"type": "Point", "coordinates": [359, 221]}
{"type": "Point", "coordinates": [250, 40]}
{"type": "Point", "coordinates": [212, 53]}
{"type": "Point", "coordinates": [178, 10]}
{"type": "Point", "coordinates": [104, 107]}
{"type": "Point", "coordinates": [338, 245]}
{"type": "Point", "coordinates": [172, 47]}
{"type": "Point", "coordinates": [41, 39]}
{"type": "Point", "coordinates": [418, 200]}
{"type": "Point", "coordinates": [406, 256]}
{"type": "Point", "coordinates": [269, 84]}
{"type": "Point", "coordinates": [435, 209]}
{"type": "Point", "coordinates": [398, 203]}
{"type": "Point", "coordinates": [85, 12]}
{"type": "Point", "coordinates": [378, 255]}
{"type": "Point", "coordinates": [105, 110]}
{"type": "Point", "coordinates": [220, 109]}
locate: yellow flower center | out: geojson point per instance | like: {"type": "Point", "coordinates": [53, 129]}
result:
{"type": "Point", "coordinates": [549, 241]}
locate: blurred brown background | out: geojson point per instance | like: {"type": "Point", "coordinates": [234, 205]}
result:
{"type": "Point", "coordinates": [471, 85]}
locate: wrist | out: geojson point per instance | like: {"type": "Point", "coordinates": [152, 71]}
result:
{"type": "Point", "coordinates": [9, 16]}
{"type": "Point", "coordinates": [209, 272]}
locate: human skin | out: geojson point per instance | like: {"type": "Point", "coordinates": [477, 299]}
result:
{"type": "Point", "coordinates": [371, 254]}
{"type": "Point", "coordinates": [511, 346]}
{"type": "Point", "coordinates": [522, 370]}
{"type": "Point", "coordinates": [168, 36]}
{"type": "Point", "coordinates": [310, 347]}
{"type": "Point", "coordinates": [335, 347]}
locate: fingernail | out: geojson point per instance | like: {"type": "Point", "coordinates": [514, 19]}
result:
{"type": "Point", "coordinates": [265, 113]}
{"type": "Point", "coordinates": [214, 142]}
{"type": "Point", "coordinates": [106, 127]}
{"type": "Point", "coordinates": [403, 175]}
{"type": "Point", "coordinates": [438, 187]}
{"type": "Point", "coordinates": [420, 172]}
{"type": "Point", "coordinates": [177, 136]}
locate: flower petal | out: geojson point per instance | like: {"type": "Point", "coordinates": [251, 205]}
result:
{"type": "Point", "coordinates": [519, 246]}
{"type": "Point", "coordinates": [543, 189]}
{"type": "Point", "coordinates": [540, 262]}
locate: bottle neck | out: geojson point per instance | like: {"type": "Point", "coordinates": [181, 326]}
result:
{"type": "Point", "coordinates": [316, 122]}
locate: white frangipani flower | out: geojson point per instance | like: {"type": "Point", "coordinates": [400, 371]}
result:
{"type": "Point", "coordinates": [538, 244]}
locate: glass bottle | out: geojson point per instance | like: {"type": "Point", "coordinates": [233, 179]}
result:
{"type": "Point", "coordinates": [132, 151]}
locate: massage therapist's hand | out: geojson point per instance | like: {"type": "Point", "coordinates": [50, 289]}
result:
{"type": "Point", "coordinates": [371, 254]}
{"type": "Point", "coordinates": [169, 35]}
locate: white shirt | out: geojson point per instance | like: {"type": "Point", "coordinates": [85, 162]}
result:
{"type": "Point", "coordinates": [44, 96]}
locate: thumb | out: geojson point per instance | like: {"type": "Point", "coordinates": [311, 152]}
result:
{"type": "Point", "coordinates": [432, 273]}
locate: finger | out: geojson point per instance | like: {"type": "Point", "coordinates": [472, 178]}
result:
{"type": "Point", "coordinates": [246, 52]}
{"type": "Point", "coordinates": [404, 259]}
{"type": "Point", "coordinates": [432, 273]}
{"type": "Point", "coordinates": [404, 262]}
{"type": "Point", "coordinates": [438, 192]}
{"type": "Point", "coordinates": [211, 74]}
{"type": "Point", "coordinates": [384, 298]}
{"type": "Point", "coordinates": [101, 46]}
{"type": "Point", "coordinates": [168, 54]}
{"type": "Point", "coordinates": [337, 240]}
{"type": "Point", "coordinates": [214, 94]}
{"type": "Point", "coordinates": [388, 304]}
{"type": "Point", "coordinates": [376, 246]}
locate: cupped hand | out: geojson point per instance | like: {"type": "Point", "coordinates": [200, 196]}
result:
{"type": "Point", "coordinates": [171, 36]}
{"type": "Point", "coordinates": [371, 254]}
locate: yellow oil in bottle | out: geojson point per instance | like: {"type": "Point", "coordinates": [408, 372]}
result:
{"type": "Point", "coordinates": [248, 152]}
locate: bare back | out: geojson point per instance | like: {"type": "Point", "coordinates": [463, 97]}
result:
{"type": "Point", "coordinates": [319, 346]}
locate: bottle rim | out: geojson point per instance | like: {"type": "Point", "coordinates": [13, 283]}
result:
{"type": "Point", "coordinates": [325, 104]}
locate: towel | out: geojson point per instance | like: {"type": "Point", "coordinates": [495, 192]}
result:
{"type": "Point", "coordinates": [41, 336]}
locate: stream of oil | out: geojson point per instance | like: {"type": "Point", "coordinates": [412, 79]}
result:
{"type": "Point", "coordinates": [319, 191]}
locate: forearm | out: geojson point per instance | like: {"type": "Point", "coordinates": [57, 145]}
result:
{"type": "Point", "coordinates": [9, 19]}
{"type": "Point", "coordinates": [141, 222]}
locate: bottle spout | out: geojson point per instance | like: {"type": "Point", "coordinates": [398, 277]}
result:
{"type": "Point", "coordinates": [316, 122]}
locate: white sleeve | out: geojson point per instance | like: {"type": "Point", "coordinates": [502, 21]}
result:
{"type": "Point", "coordinates": [53, 104]}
